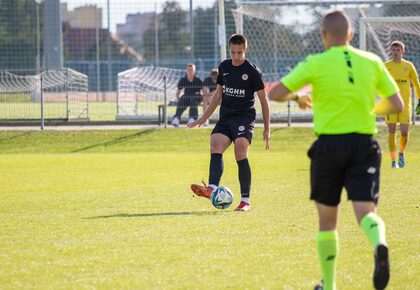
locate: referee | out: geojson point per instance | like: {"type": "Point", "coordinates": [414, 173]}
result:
{"type": "Point", "coordinates": [344, 83]}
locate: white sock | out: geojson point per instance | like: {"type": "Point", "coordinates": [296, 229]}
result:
{"type": "Point", "coordinates": [245, 199]}
{"type": "Point", "coordinates": [213, 186]}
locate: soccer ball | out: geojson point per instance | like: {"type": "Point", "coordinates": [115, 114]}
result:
{"type": "Point", "coordinates": [221, 197]}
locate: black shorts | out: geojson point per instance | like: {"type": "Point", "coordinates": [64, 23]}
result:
{"type": "Point", "coordinates": [236, 127]}
{"type": "Point", "coordinates": [352, 161]}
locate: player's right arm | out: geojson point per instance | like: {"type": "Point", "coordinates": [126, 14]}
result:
{"type": "Point", "coordinates": [215, 101]}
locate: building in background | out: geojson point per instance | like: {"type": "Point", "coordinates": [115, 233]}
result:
{"type": "Point", "coordinates": [132, 31]}
{"type": "Point", "coordinates": [82, 17]}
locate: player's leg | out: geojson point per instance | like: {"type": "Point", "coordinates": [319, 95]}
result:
{"type": "Point", "coordinates": [327, 244]}
{"type": "Point", "coordinates": [392, 139]}
{"type": "Point", "coordinates": [242, 130]}
{"type": "Point", "coordinates": [182, 105]}
{"type": "Point", "coordinates": [219, 142]}
{"type": "Point", "coordinates": [327, 180]}
{"type": "Point", "coordinates": [193, 113]}
{"type": "Point", "coordinates": [374, 228]}
{"type": "Point", "coordinates": [404, 128]}
{"type": "Point", "coordinates": [244, 172]}
{"type": "Point", "coordinates": [362, 184]}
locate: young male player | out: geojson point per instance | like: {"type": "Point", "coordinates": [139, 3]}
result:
{"type": "Point", "coordinates": [403, 73]}
{"type": "Point", "coordinates": [237, 81]}
{"type": "Point", "coordinates": [344, 83]}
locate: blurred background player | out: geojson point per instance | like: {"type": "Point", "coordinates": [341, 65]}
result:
{"type": "Point", "coordinates": [237, 81]}
{"type": "Point", "coordinates": [192, 87]}
{"type": "Point", "coordinates": [344, 83]}
{"type": "Point", "coordinates": [209, 86]}
{"type": "Point", "coordinates": [403, 73]}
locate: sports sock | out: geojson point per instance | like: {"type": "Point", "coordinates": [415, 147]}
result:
{"type": "Point", "coordinates": [246, 199]}
{"type": "Point", "coordinates": [244, 174]}
{"type": "Point", "coordinates": [392, 146]}
{"type": "Point", "coordinates": [374, 228]}
{"type": "Point", "coordinates": [327, 244]}
{"type": "Point", "coordinates": [403, 143]}
{"type": "Point", "coordinates": [216, 168]}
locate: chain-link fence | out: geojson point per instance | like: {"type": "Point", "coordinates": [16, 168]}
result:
{"type": "Point", "coordinates": [109, 42]}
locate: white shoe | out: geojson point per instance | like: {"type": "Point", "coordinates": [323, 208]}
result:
{"type": "Point", "coordinates": [206, 123]}
{"type": "Point", "coordinates": [175, 121]}
{"type": "Point", "coordinates": [190, 120]}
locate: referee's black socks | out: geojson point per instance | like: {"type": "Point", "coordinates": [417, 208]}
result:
{"type": "Point", "coordinates": [244, 174]}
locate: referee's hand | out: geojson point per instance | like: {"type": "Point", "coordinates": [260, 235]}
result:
{"type": "Point", "coordinates": [304, 101]}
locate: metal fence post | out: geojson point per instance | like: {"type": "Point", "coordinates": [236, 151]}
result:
{"type": "Point", "coordinates": [165, 115]}
{"type": "Point", "coordinates": [42, 103]}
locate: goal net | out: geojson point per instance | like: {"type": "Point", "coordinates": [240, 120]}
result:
{"type": "Point", "coordinates": [142, 89]}
{"type": "Point", "coordinates": [64, 93]}
{"type": "Point", "coordinates": [282, 33]}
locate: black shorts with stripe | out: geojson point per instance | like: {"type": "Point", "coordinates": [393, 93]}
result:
{"type": "Point", "coordinates": [351, 161]}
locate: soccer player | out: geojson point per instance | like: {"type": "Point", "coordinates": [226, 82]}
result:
{"type": "Point", "coordinates": [209, 86]}
{"type": "Point", "coordinates": [237, 81]}
{"type": "Point", "coordinates": [192, 87]}
{"type": "Point", "coordinates": [403, 73]}
{"type": "Point", "coordinates": [344, 83]}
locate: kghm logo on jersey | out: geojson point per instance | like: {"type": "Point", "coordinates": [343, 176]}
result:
{"type": "Point", "coordinates": [231, 92]}
{"type": "Point", "coordinates": [244, 77]}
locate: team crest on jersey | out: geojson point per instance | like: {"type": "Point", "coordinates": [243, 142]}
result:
{"type": "Point", "coordinates": [405, 69]}
{"type": "Point", "coordinates": [241, 128]}
{"type": "Point", "coordinates": [244, 77]}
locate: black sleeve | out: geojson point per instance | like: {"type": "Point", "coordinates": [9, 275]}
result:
{"type": "Point", "coordinates": [219, 76]}
{"type": "Point", "coordinates": [181, 84]}
{"type": "Point", "coordinates": [257, 80]}
{"type": "Point", "coordinates": [207, 82]}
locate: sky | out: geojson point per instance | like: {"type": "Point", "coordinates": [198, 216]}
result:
{"type": "Point", "coordinates": [120, 8]}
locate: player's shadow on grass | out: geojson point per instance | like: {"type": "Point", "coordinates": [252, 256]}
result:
{"type": "Point", "coordinates": [16, 136]}
{"type": "Point", "coordinates": [115, 141]}
{"type": "Point", "coordinates": [127, 215]}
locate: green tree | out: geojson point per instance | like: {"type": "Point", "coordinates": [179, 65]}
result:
{"type": "Point", "coordinates": [172, 34]}
{"type": "Point", "coordinates": [18, 34]}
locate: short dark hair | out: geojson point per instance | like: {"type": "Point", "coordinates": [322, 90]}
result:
{"type": "Point", "coordinates": [398, 43]}
{"type": "Point", "coordinates": [238, 39]}
{"type": "Point", "coordinates": [214, 72]}
{"type": "Point", "coordinates": [337, 24]}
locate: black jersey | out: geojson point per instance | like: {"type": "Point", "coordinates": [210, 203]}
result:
{"type": "Point", "coordinates": [208, 82]}
{"type": "Point", "coordinates": [190, 88]}
{"type": "Point", "coordinates": [239, 85]}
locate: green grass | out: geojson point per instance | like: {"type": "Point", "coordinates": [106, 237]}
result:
{"type": "Point", "coordinates": [113, 210]}
{"type": "Point", "coordinates": [20, 107]}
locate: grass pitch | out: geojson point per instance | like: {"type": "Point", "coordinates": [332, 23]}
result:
{"type": "Point", "coordinates": [113, 210]}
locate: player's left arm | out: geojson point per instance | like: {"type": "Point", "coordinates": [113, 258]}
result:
{"type": "Point", "coordinates": [414, 78]}
{"type": "Point", "coordinates": [262, 95]}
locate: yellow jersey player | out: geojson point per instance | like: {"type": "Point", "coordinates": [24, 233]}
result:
{"type": "Point", "coordinates": [403, 73]}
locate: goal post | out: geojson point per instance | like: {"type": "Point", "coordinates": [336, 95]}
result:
{"type": "Point", "coordinates": [56, 95]}
{"type": "Point", "coordinates": [377, 33]}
